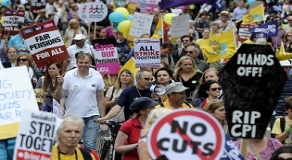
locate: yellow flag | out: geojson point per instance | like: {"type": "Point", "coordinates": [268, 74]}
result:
{"type": "Point", "coordinates": [254, 15]}
{"type": "Point", "coordinates": [282, 55]}
{"type": "Point", "coordinates": [219, 47]}
{"type": "Point", "coordinates": [130, 65]}
{"type": "Point", "coordinates": [158, 29]}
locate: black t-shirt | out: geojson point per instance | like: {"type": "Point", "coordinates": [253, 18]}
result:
{"type": "Point", "coordinates": [192, 83]}
{"type": "Point", "coordinates": [128, 96]}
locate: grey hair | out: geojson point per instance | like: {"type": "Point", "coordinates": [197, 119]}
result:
{"type": "Point", "coordinates": [139, 74]}
{"type": "Point", "coordinates": [196, 48]}
{"type": "Point", "coordinates": [72, 119]}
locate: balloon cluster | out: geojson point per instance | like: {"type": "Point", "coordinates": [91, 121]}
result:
{"type": "Point", "coordinates": [5, 3]}
{"type": "Point", "coordinates": [121, 20]}
{"type": "Point", "coordinates": [167, 18]}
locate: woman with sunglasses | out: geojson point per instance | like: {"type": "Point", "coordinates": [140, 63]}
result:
{"type": "Point", "coordinates": [26, 60]}
{"type": "Point", "coordinates": [207, 92]}
{"type": "Point", "coordinates": [287, 41]}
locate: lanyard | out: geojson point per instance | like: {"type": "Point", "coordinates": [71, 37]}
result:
{"type": "Point", "coordinates": [59, 154]}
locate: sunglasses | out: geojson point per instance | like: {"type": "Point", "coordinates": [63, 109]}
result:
{"type": "Point", "coordinates": [290, 20]}
{"type": "Point", "coordinates": [185, 40]}
{"type": "Point", "coordinates": [22, 60]}
{"type": "Point", "coordinates": [148, 79]}
{"type": "Point", "coordinates": [289, 35]}
{"type": "Point", "coordinates": [214, 89]}
{"type": "Point", "coordinates": [190, 52]}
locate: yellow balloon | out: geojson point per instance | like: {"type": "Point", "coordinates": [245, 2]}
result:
{"type": "Point", "coordinates": [167, 18]}
{"type": "Point", "coordinates": [123, 10]}
{"type": "Point", "coordinates": [124, 25]}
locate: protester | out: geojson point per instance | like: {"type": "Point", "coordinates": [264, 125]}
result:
{"type": "Point", "coordinates": [217, 109]}
{"type": "Point", "coordinates": [282, 153]}
{"type": "Point", "coordinates": [49, 84]}
{"type": "Point", "coordinates": [188, 74]}
{"type": "Point", "coordinates": [129, 134]}
{"type": "Point", "coordinates": [143, 79]}
{"type": "Point", "coordinates": [210, 74]}
{"type": "Point", "coordinates": [207, 92]}
{"type": "Point", "coordinates": [193, 52]}
{"type": "Point", "coordinates": [27, 61]}
{"type": "Point", "coordinates": [69, 135]}
{"type": "Point", "coordinates": [72, 31]}
{"type": "Point", "coordinates": [75, 92]}
{"type": "Point", "coordinates": [12, 55]}
{"type": "Point", "coordinates": [288, 41]}
{"type": "Point", "coordinates": [123, 48]}
{"type": "Point", "coordinates": [239, 11]}
{"type": "Point", "coordinates": [152, 117]}
{"type": "Point", "coordinates": [176, 94]}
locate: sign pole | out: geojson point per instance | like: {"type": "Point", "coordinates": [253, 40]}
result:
{"type": "Point", "coordinates": [94, 31]}
{"type": "Point", "coordinates": [88, 34]}
{"type": "Point", "coordinates": [243, 147]}
{"type": "Point", "coordinates": [109, 79]}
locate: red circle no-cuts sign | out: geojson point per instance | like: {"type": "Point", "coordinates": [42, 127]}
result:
{"type": "Point", "coordinates": [188, 134]}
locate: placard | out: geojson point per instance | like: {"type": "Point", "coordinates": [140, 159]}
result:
{"type": "Point", "coordinates": [187, 134]}
{"type": "Point", "coordinates": [11, 20]}
{"type": "Point", "coordinates": [36, 136]}
{"type": "Point", "coordinates": [147, 52]}
{"type": "Point", "coordinates": [178, 27]}
{"type": "Point", "coordinates": [244, 33]}
{"type": "Point", "coordinates": [36, 5]}
{"type": "Point", "coordinates": [252, 82]}
{"type": "Point", "coordinates": [141, 24]}
{"type": "Point", "coordinates": [16, 94]}
{"type": "Point", "coordinates": [93, 11]}
{"type": "Point", "coordinates": [106, 56]}
{"type": "Point", "coordinates": [45, 43]}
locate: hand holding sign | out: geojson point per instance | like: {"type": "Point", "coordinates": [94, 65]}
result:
{"type": "Point", "coordinates": [252, 81]}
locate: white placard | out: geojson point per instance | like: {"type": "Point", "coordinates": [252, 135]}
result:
{"type": "Point", "coordinates": [16, 94]}
{"type": "Point", "coordinates": [93, 11]}
{"type": "Point", "coordinates": [147, 52]}
{"type": "Point", "coordinates": [141, 24]}
{"type": "Point", "coordinates": [179, 26]}
{"type": "Point", "coordinates": [37, 135]}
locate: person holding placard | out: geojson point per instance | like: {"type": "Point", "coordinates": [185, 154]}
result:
{"type": "Point", "coordinates": [83, 90]}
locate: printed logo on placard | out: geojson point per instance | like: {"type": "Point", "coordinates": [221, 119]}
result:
{"type": "Point", "coordinates": [27, 31]}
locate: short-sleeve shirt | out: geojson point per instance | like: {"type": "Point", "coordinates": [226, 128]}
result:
{"type": "Point", "coordinates": [72, 50]}
{"type": "Point", "coordinates": [128, 96]}
{"type": "Point", "coordinates": [81, 93]}
{"type": "Point", "coordinates": [277, 128]}
{"type": "Point", "coordinates": [132, 128]}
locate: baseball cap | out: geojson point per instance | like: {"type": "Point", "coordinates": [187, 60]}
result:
{"type": "Point", "coordinates": [175, 87]}
{"type": "Point", "coordinates": [285, 63]}
{"type": "Point", "coordinates": [79, 37]}
{"type": "Point", "coordinates": [141, 103]}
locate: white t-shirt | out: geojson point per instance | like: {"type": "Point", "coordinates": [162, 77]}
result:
{"type": "Point", "coordinates": [81, 97]}
{"type": "Point", "coordinates": [72, 50]}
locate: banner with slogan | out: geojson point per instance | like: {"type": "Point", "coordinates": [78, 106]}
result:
{"type": "Point", "coordinates": [269, 29]}
{"type": "Point", "coordinates": [16, 94]}
{"type": "Point", "coordinates": [93, 11]}
{"type": "Point", "coordinates": [147, 52]}
{"type": "Point", "coordinates": [166, 4]}
{"type": "Point", "coordinates": [45, 43]}
{"type": "Point", "coordinates": [255, 14]}
{"type": "Point", "coordinates": [277, 8]}
{"type": "Point", "coordinates": [141, 24]}
{"type": "Point", "coordinates": [36, 5]}
{"type": "Point", "coordinates": [249, 98]}
{"type": "Point", "coordinates": [178, 27]}
{"type": "Point", "coordinates": [37, 135]}
{"type": "Point", "coordinates": [11, 20]}
{"type": "Point", "coordinates": [219, 47]}
{"type": "Point", "coordinates": [244, 33]}
{"type": "Point", "coordinates": [106, 56]}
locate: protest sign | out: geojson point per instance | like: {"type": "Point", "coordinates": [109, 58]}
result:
{"type": "Point", "coordinates": [230, 152]}
{"type": "Point", "coordinates": [16, 94]}
{"type": "Point", "coordinates": [250, 98]}
{"type": "Point", "coordinates": [36, 137]}
{"type": "Point", "coordinates": [174, 136]}
{"type": "Point", "coordinates": [178, 27]}
{"type": "Point", "coordinates": [269, 29]}
{"type": "Point", "coordinates": [45, 43]}
{"type": "Point", "coordinates": [106, 56]}
{"type": "Point", "coordinates": [36, 5]}
{"type": "Point", "coordinates": [93, 11]}
{"type": "Point", "coordinates": [244, 33]}
{"type": "Point", "coordinates": [11, 20]}
{"type": "Point", "coordinates": [277, 8]}
{"type": "Point", "coordinates": [167, 4]}
{"type": "Point", "coordinates": [141, 24]}
{"type": "Point", "coordinates": [147, 6]}
{"type": "Point", "coordinates": [147, 52]}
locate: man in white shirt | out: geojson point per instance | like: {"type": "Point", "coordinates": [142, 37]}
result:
{"type": "Point", "coordinates": [83, 90]}
{"type": "Point", "coordinates": [77, 47]}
